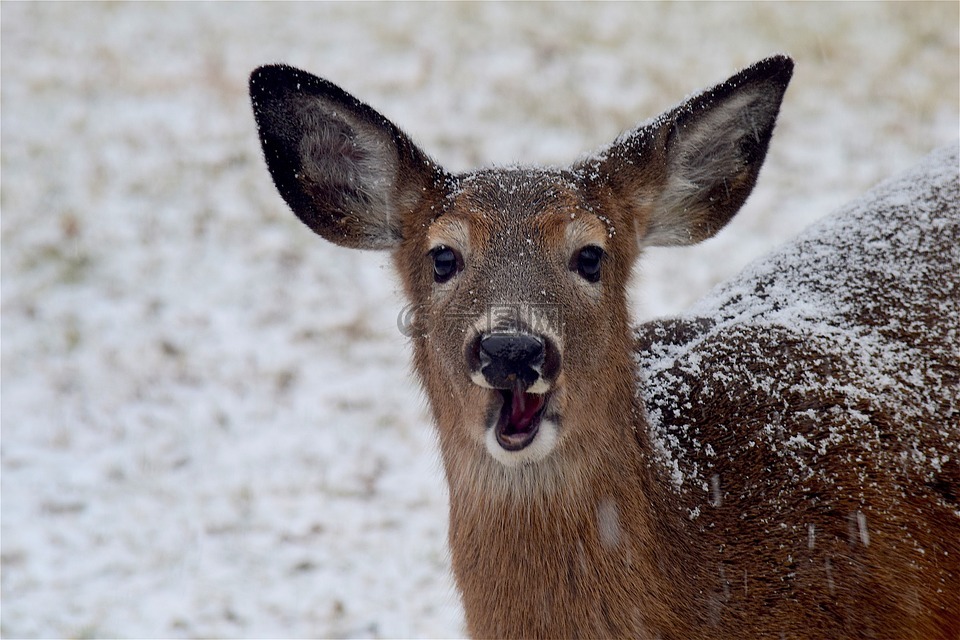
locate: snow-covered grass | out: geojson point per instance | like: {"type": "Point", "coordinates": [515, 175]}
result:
{"type": "Point", "coordinates": [209, 427]}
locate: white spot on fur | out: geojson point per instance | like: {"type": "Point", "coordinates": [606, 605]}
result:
{"type": "Point", "coordinates": [608, 524]}
{"type": "Point", "coordinates": [716, 496]}
{"type": "Point", "coordinates": [862, 526]}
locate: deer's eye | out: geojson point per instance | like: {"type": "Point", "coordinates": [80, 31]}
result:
{"type": "Point", "coordinates": [586, 263]}
{"type": "Point", "coordinates": [446, 263]}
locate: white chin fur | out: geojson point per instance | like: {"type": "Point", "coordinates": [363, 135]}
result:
{"type": "Point", "coordinates": [542, 445]}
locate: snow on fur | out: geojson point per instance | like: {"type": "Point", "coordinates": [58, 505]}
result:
{"type": "Point", "coordinates": [836, 339]}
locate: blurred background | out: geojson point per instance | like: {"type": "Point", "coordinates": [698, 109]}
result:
{"type": "Point", "coordinates": [209, 424]}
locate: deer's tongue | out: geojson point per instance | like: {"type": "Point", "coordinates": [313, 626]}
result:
{"type": "Point", "coordinates": [523, 409]}
{"type": "Point", "coordinates": [519, 418]}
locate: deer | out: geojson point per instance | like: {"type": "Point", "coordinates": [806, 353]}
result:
{"type": "Point", "coordinates": [782, 460]}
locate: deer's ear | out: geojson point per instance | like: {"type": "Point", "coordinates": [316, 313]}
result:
{"type": "Point", "coordinates": [685, 174]}
{"type": "Point", "coordinates": [344, 169]}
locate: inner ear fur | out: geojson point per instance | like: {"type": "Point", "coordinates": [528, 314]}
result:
{"type": "Point", "coordinates": [344, 169]}
{"type": "Point", "coordinates": [685, 174]}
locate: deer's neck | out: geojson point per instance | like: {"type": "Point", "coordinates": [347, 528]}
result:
{"type": "Point", "coordinates": [572, 546]}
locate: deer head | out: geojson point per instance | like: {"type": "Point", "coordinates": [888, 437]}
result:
{"type": "Point", "coordinates": [518, 275]}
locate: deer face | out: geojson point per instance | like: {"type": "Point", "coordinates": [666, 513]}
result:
{"type": "Point", "coordinates": [517, 283]}
{"type": "Point", "coordinates": [517, 276]}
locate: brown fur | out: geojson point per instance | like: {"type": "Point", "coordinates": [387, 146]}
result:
{"type": "Point", "coordinates": [702, 485]}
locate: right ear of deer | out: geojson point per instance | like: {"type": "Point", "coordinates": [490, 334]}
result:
{"type": "Point", "coordinates": [686, 173]}
{"type": "Point", "coordinates": [345, 170]}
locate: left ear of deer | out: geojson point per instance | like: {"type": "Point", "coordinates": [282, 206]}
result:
{"type": "Point", "coordinates": [685, 174]}
{"type": "Point", "coordinates": [345, 170]}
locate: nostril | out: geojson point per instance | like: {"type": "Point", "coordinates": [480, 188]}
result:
{"type": "Point", "coordinates": [515, 349]}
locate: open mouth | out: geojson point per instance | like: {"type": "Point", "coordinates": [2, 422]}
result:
{"type": "Point", "coordinates": [519, 418]}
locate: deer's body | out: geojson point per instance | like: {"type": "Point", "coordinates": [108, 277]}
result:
{"type": "Point", "coordinates": [811, 409]}
{"type": "Point", "coordinates": [784, 461]}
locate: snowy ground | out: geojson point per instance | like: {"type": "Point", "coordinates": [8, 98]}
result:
{"type": "Point", "coordinates": [208, 423]}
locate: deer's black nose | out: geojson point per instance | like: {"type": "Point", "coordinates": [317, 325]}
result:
{"type": "Point", "coordinates": [508, 358]}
